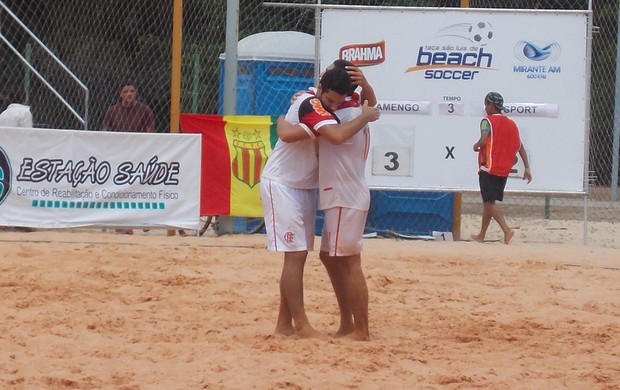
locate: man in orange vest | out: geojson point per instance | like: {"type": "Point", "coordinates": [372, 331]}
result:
{"type": "Point", "coordinates": [497, 148]}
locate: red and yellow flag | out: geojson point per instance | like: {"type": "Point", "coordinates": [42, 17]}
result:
{"type": "Point", "coordinates": [234, 152]}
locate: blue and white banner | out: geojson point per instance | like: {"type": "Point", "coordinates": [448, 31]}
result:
{"type": "Point", "coordinates": [71, 178]}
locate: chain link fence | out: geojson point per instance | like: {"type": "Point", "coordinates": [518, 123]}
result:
{"type": "Point", "coordinates": [95, 47]}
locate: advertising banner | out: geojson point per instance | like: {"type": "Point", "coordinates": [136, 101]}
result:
{"type": "Point", "coordinates": [70, 178]}
{"type": "Point", "coordinates": [431, 69]}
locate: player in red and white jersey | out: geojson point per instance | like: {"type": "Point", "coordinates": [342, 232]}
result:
{"type": "Point", "coordinates": [342, 180]}
{"type": "Point", "coordinates": [288, 192]}
{"type": "Point", "coordinates": [295, 164]}
{"type": "Point", "coordinates": [345, 197]}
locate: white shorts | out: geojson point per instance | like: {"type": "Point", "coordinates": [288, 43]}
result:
{"type": "Point", "coordinates": [290, 215]}
{"type": "Point", "coordinates": [343, 231]}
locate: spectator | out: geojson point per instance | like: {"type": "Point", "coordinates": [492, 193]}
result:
{"type": "Point", "coordinates": [128, 115]}
{"type": "Point", "coordinates": [17, 112]}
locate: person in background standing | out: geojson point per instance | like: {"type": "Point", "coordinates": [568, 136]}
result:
{"type": "Point", "coordinates": [128, 115]}
{"type": "Point", "coordinates": [17, 112]}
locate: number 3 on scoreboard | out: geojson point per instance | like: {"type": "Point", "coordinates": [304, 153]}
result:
{"type": "Point", "coordinates": [451, 108]}
{"type": "Point", "coordinates": [391, 161]}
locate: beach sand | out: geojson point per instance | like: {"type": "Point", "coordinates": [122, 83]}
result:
{"type": "Point", "coordinates": [84, 309]}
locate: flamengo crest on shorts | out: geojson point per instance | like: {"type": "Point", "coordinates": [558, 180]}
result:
{"type": "Point", "coordinates": [289, 237]}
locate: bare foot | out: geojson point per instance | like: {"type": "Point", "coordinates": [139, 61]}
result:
{"type": "Point", "coordinates": [344, 330]}
{"type": "Point", "coordinates": [309, 332]}
{"type": "Point", "coordinates": [285, 330]}
{"type": "Point", "coordinates": [476, 237]}
{"type": "Point", "coordinates": [508, 236]}
{"type": "Point", "coordinates": [359, 336]}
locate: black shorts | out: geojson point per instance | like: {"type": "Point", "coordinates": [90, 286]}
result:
{"type": "Point", "coordinates": [491, 186]}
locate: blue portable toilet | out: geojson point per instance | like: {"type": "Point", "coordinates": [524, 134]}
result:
{"type": "Point", "coordinates": [271, 67]}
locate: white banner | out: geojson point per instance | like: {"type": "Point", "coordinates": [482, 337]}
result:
{"type": "Point", "coordinates": [70, 178]}
{"type": "Point", "coordinates": [431, 69]}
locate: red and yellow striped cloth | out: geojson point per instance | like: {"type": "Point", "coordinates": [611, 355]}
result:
{"type": "Point", "coordinates": [234, 152]}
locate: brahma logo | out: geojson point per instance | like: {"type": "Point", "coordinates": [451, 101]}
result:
{"type": "Point", "coordinates": [5, 176]}
{"type": "Point", "coordinates": [363, 54]}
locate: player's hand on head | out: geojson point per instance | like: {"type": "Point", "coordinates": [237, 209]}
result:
{"type": "Point", "coordinates": [357, 76]}
{"type": "Point", "coordinates": [369, 112]}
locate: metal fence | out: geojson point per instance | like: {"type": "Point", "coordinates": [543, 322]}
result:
{"type": "Point", "coordinates": [94, 46]}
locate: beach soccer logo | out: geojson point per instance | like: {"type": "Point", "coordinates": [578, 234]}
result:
{"type": "Point", "coordinates": [537, 51]}
{"type": "Point", "coordinates": [479, 33]}
{"type": "Point", "coordinates": [5, 176]}
{"type": "Point", "coordinates": [456, 52]}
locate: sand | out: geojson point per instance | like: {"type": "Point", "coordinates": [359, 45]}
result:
{"type": "Point", "coordinates": [91, 310]}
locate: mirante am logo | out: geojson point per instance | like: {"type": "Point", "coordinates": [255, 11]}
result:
{"type": "Point", "coordinates": [5, 176]}
{"type": "Point", "coordinates": [537, 50]}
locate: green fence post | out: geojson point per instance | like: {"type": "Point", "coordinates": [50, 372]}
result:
{"type": "Point", "coordinates": [195, 82]}
{"type": "Point", "coordinates": [27, 56]}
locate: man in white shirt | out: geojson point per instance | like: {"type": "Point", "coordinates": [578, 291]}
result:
{"type": "Point", "coordinates": [17, 113]}
{"type": "Point", "coordinates": [345, 197]}
{"type": "Point", "coordinates": [288, 190]}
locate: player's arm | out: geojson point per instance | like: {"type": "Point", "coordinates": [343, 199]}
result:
{"type": "Point", "coordinates": [289, 132]}
{"type": "Point", "coordinates": [527, 175]}
{"type": "Point", "coordinates": [485, 130]}
{"type": "Point", "coordinates": [339, 133]}
{"type": "Point", "coordinates": [358, 78]}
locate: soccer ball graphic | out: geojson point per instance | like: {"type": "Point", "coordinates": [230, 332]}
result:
{"type": "Point", "coordinates": [481, 33]}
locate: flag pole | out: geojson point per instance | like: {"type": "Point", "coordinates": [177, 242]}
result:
{"type": "Point", "coordinates": [175, 78]}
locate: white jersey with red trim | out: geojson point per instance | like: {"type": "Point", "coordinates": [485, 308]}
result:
{"type": "Point", "coordinates": [342, 180]}
{"type": "Point", "coordinates": [295, 164]}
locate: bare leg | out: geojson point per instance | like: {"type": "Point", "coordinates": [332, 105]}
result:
{"type": "Point", "coordinates": [499, 217]}
{"type": "Point", "coordinates": [284, 325]}
{"type": "Point", "coordinates": [491, 210]}
{"type": "Point", "coordinates": [486, 220]}
{"type": "Point", "coordinates": [357, 295]}
{"type": "Point", "coordinates": [338, 283]}
{"type": "Point", "coordinates": [292, 297]}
